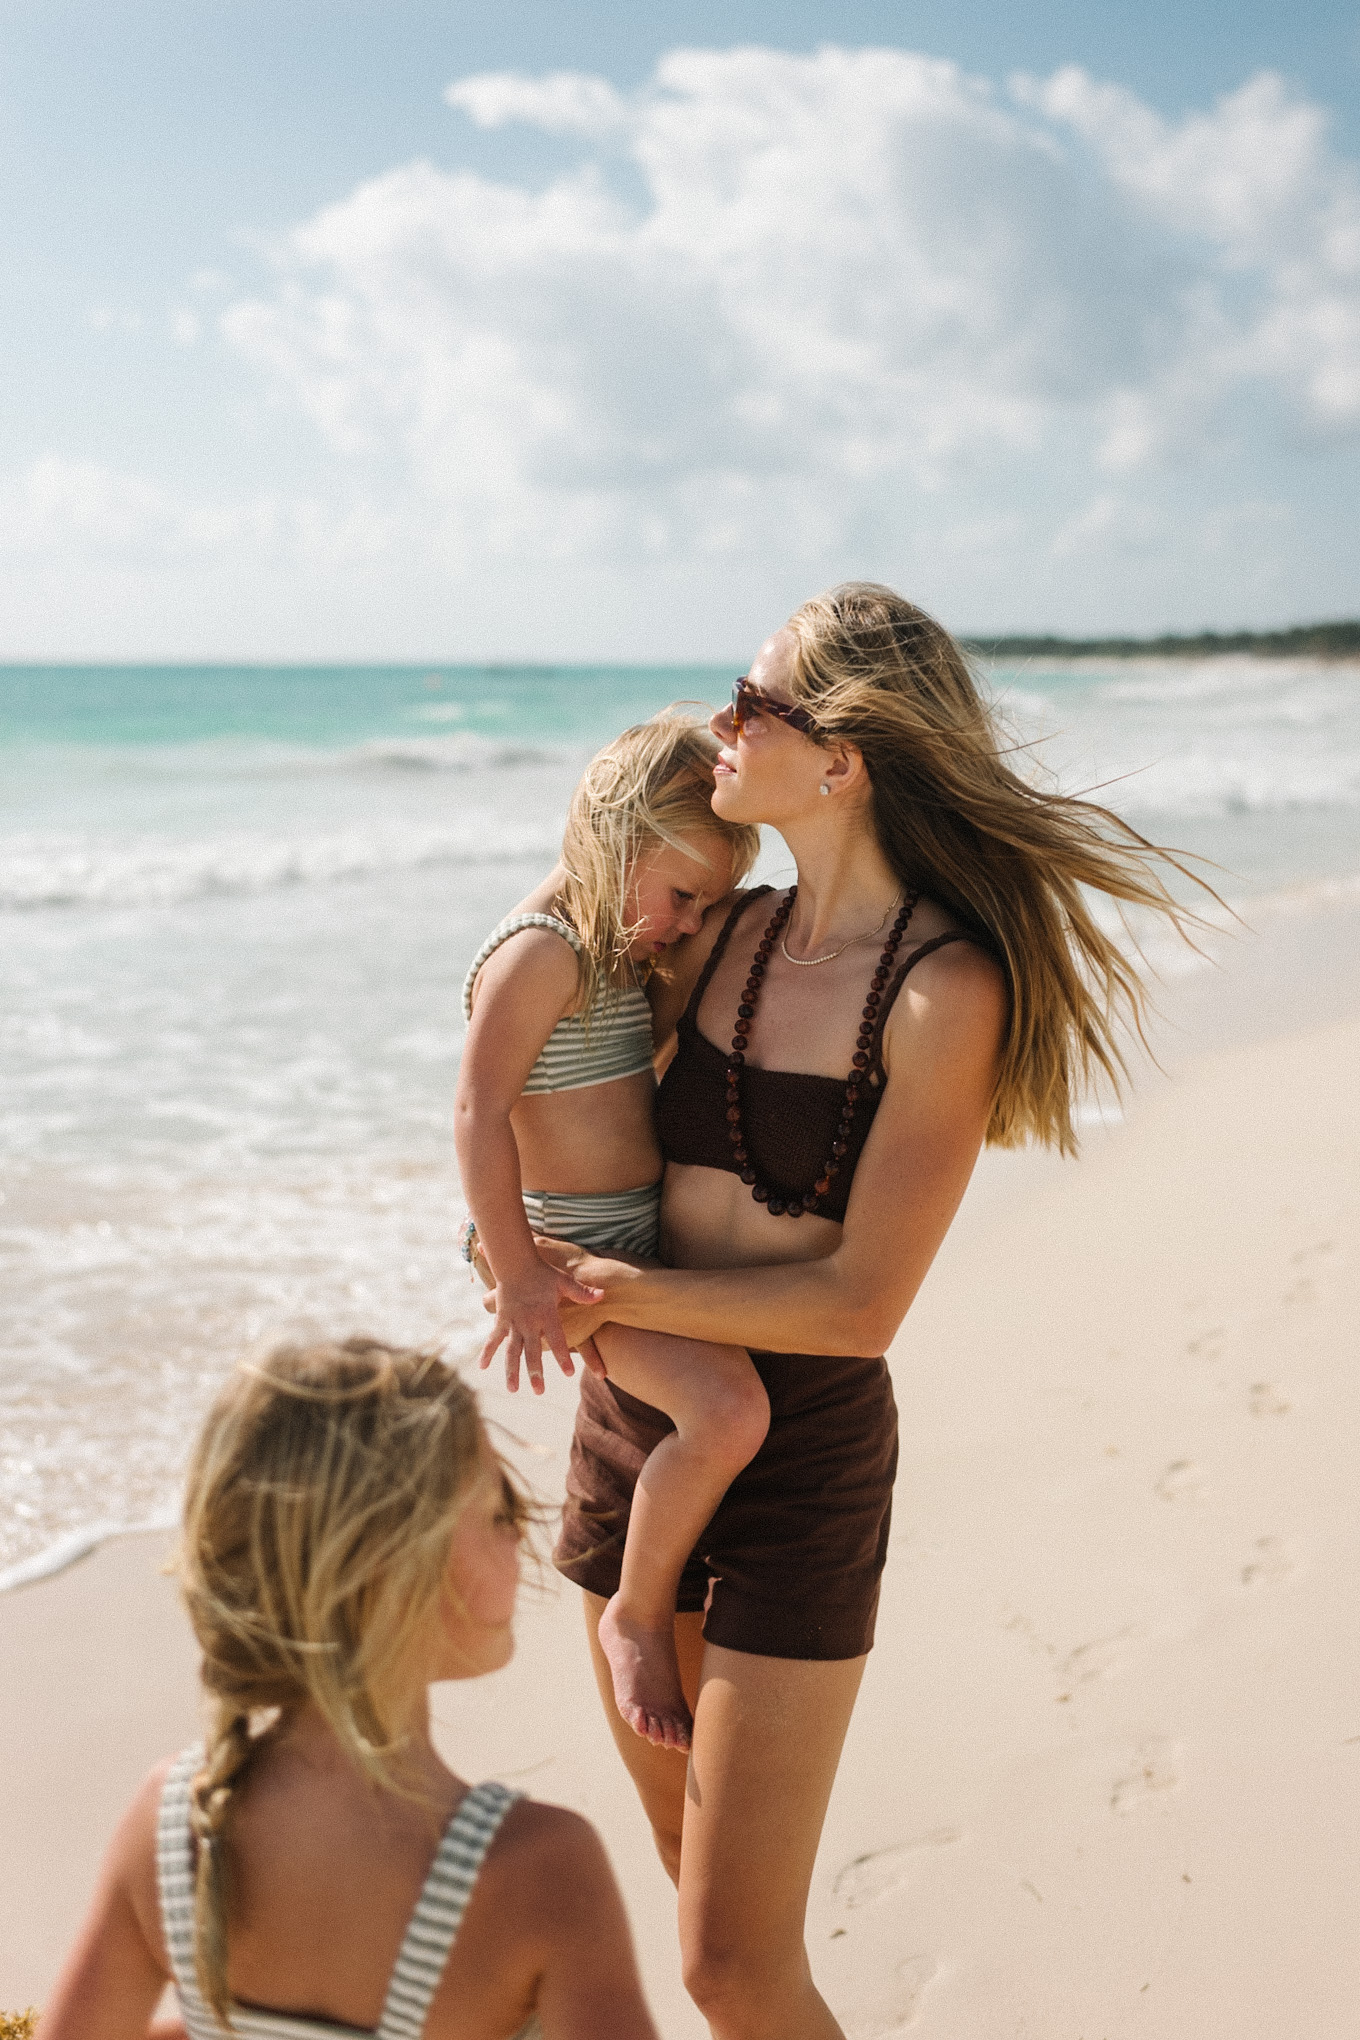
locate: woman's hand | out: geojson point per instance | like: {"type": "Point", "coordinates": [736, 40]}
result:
{"type": "Point", "coordinates": [595, 1273]}
{"type": "Point", "coordinates": [528, 1309]}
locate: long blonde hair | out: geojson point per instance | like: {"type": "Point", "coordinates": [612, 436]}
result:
{"type": "Point", "coordinates": [320, 1506]}
{"type": "Point", "coordinates": [652, 785]}
{"type": "Point", "coordinates": [1008, 859]}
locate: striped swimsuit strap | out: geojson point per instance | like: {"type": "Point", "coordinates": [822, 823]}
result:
{"type": "Point", "coordinates": [424, 1951]}
{"type": "Point", "coordinates": [613, 1040]}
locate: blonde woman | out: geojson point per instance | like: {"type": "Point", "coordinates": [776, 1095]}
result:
{"type": "Point", "coordinates": [314, 1869]}
{"type": "Point", "coordinates": [843, 1048]}
{"type": "Point", "coordinates": [556, 1091]}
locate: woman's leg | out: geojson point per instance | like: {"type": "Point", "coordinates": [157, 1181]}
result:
{"type": "Point", "coordinates": [749, 1810]}
{"type": "Point", "coordinates": [658, 1774]}
{"type": "Point", "coordinates": [720, 1410]}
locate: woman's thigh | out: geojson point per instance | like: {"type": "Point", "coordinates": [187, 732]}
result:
{"type": "Point", "coordinates": [768, 1735]}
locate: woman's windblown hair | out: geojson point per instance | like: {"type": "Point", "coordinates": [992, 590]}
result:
{"type": "Point", "coordinates": [653, 785]}
{"type": "Point", "coordinates": [321, 1503]}
{"type": "Point", "coordinates": [1008, 859]}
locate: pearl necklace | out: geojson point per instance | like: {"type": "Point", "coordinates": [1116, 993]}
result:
{"type": "Point", "coordinates": [794, 1207]}
{"type": "Point", "coordinates": [811, 962]}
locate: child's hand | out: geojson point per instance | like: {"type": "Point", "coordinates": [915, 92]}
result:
{"type": "Point", "coordinates": [528, 1319]}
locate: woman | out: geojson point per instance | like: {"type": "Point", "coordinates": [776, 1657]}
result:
{"type": "Point", "coordinates": [938, 949]}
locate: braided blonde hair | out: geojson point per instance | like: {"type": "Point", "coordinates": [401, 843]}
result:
{"type": "Point", "coordinates": [652, 785]}
{"type": "Point", "coordinates": [320, 1505]}
{"type": "Point", "coordinates": [1009, 860]}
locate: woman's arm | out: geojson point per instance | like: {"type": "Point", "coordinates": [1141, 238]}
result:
{"type": "Point", "coordinates": [114, 1975]}
{"type": "Point", "coordinates": [941, 1050]}
{"type": "Point", "coordinates": [523, 989]}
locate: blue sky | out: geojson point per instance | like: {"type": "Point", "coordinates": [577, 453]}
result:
{"type": "Point", "coordinates": [1048, 314]}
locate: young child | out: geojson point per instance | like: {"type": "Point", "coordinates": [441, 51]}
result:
{"type": "Point", "coordinates": [313, 1868]}
{"type": "Point", "coordinates": [555, 1136]}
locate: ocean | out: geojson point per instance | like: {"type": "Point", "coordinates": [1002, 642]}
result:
{"type": "Point", "coordinates": [236, 904]}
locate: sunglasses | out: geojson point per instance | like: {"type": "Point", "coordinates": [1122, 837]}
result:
{"type": "Point", "coordinates": [748, 701]}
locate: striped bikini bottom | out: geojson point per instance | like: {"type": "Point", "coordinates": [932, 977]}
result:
{"type": "Point", "coordinates": [615, 1221]}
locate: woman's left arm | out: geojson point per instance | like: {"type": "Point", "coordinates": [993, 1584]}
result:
{"type": "Point", "coordinates": [941, 1051]}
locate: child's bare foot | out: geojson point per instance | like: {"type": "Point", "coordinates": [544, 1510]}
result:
{"type": "Point", "coordinates": [646, 1673]}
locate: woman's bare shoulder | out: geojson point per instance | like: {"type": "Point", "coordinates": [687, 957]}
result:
{"type": "Point", "coordinates": [955, 999]}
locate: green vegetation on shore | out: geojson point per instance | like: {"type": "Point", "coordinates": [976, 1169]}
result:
{"type": "Point", "coordinates": [1305, 641]}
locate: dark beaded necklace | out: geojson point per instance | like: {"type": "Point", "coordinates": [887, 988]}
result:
{"type": "Point", "coordinates": [794, 1207]}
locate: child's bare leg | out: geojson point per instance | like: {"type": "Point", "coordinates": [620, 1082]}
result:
{"type": "Point", "coordinates": [716, 1400]}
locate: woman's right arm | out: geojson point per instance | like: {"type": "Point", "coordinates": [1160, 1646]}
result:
{"type": "Point", "coordinates": [523, 989]}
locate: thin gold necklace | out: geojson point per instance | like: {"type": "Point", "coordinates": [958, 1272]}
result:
{"type": "Point", "coordinates": [811, 962]}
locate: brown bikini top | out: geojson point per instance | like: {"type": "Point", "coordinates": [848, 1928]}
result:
{"type": "Point", "coordinates": [789, 1118]}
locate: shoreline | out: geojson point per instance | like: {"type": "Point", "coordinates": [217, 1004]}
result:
{"type": "Point", "coordinates": [1294, 964]}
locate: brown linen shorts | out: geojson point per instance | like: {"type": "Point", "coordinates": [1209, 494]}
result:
{"type": "Point", "coordinates": [790, 1563]}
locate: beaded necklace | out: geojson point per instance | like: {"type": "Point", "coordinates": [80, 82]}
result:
{"type": "Point", "coordinates": [794, 1207]}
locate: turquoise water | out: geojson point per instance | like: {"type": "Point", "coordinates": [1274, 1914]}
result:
{"type": "Point", "coordinates": [236, 904]}
{"type": "Point", "coordinates": [326, 705]}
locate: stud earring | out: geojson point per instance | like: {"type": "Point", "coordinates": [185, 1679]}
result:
{"type": "Point", "coordinates": [823, 788]}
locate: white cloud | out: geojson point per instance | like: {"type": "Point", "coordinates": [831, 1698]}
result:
{"type": "Point", "coordinates": [1025, 346]}
{"type": "Point", "coordinates": [853, 280]}
{"type": "Point", "coordinates": [563, 103]}
{"type": "Point", "coordinates": [81, 508]}
{"type": "Point", "coordinates": [1256, 183]}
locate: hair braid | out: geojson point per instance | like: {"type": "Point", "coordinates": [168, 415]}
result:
{"type": "Point", "coordinates": [229, 1750]}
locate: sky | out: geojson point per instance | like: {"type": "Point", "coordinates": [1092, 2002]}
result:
{"type": "Point", "coordinates": [370, 329]}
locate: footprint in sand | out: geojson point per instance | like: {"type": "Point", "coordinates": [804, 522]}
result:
{"type": "Point", "coordinates": [1271, 1564]}
{"type": "Point", "coordinates": [1206, 1345]}
{"type": "Point", "coordinates": [1182, 1481]}
{"type": "Point", "coordinates": [1154, 1771]}
{"type": "Point", "coordinates": [1094, 1660]}
{"type": "Point", "coordinates": [897, 2007]}
{"type": "Point", "coordinates": [1266, 1401]}
{"type": "Point", "coordinates": [872, 1877]}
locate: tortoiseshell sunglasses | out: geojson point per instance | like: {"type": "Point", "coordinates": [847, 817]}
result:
{"type": "Point", "coordinates": [748, 701]}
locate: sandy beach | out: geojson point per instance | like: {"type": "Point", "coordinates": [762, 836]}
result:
{"type": "Point", "coordinates": [1104, 1778]}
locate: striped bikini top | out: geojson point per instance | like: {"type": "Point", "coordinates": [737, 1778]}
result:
{"type": "Point", "coordinates": [616, 1043]}
{"type": "Point", "coordinates": [424, 1952]}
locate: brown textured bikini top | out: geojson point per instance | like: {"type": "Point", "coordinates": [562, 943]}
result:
{"type": "Point", "coordinates": [789, 1119]}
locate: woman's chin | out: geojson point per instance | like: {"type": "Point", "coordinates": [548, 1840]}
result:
{"type": "Point", "coordinates": [727, 802]}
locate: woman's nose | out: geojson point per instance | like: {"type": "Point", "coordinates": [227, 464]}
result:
{"type": "Point", "coordinates": [692, 920]}
{"type": "Point", "coordinates": [721, 723]}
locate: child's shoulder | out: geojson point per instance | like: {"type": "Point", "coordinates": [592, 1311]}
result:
{"type": "Point", "coordinates": [544, 1849]}
{"type": "Point", "coordinates": [534, 953]}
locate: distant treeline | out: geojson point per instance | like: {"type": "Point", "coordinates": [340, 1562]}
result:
{"type": "Point", "coordinates": [1305, 641]}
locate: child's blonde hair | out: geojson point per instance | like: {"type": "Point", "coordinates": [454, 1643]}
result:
{"type": "Point", "coordinates": [320, 1506]}
{"type": "Point", "coordinates": [652, 785]}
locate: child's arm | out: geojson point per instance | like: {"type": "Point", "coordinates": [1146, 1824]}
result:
{"type": "Point", "coordinates": [523, 989]}
{"type": "Point", "coordinates": [114, 1976]}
